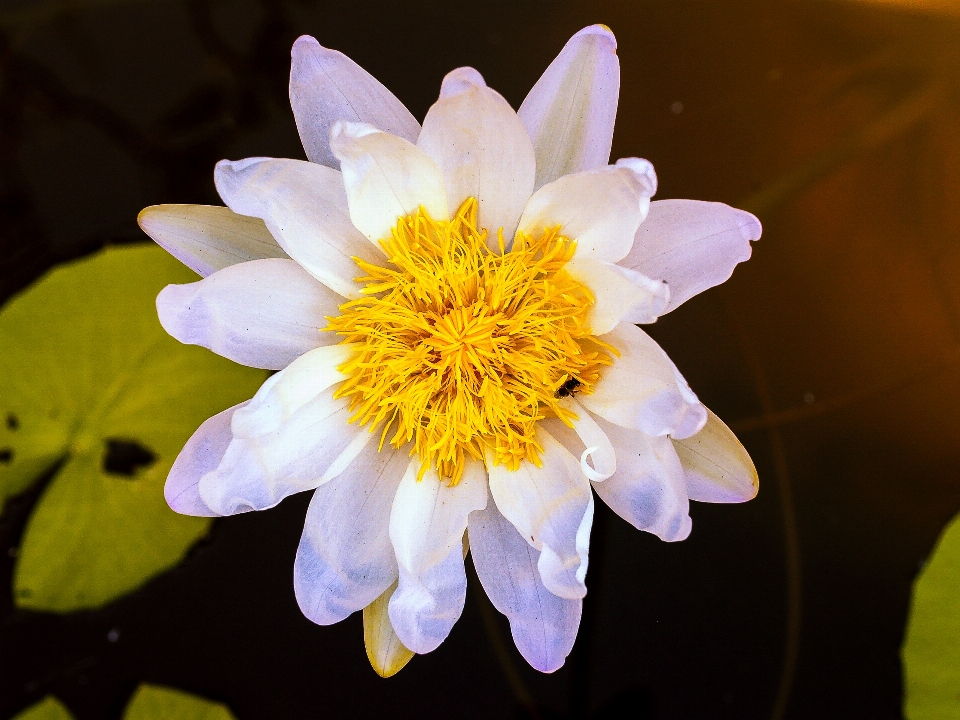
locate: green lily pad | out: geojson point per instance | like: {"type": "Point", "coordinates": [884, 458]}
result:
{"type": "Point", "coordinates": [931, 651]}
{"type": "Point", "coordinates": [151, 702]}
{"type": "Point", "coordinates": [92, 385]}
{"type": "Point", "coordinates": [47, 709]}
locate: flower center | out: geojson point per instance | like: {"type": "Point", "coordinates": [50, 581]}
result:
{"type": "Point", "coordinates": [461, 349]}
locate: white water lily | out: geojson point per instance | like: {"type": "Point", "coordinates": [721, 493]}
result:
{"type": "Point", "coordinates": [452, 310]}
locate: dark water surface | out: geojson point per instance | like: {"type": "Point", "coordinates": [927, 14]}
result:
{"type": "Point", "coordinates": [834, 353]}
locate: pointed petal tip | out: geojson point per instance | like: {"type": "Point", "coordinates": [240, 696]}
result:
{"type": "Point", "coordinates": [226, 172]}
{"type": "Point", "coordinates": [147, 217]}
{"type": "Point", "coordinates": [186, 500]}
{"type": "Point", "coordinates": [460, 81]}
{"type": "Point", "coordinates": [540, 658]}
{"type": "Point", "coordinates": [679, 530]}
{"type": "Point", "coordinates": [600, 30]}
{"type": "Point", "coordinates": [168, 302]}
{"type": "Point", "coordinates": [390, 669]}
{"type": "Point", "coordinates": [238, 165]}
{"type": "Point", "coordinates": [750, 226]}
{"type": "Point", "coordinates": [717, 466]}
{"type": "Point", "coordinates": [556, 575]}
{"type": "Point", "coordinates": [342, 131]}
{"type": "Point", "coordinates": [201, 454]}
{"type": "Point", "coordinates": [693, 420]}
{"type": "Point", "coordinates": [387, 655]}
{"type": "Point", "coordinates": [303, 42]}
{"type": "Point", "coordinates": [644, 172]}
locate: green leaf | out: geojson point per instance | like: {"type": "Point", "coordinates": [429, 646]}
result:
{"type": "Point", "coordinates": [151, 702]}
{"type": "Point", "coordinates": [47, 709]}
{"type": "Point", "coordinates": [90, 380]}
{"type": "Point", "coordinates": [931, 652]}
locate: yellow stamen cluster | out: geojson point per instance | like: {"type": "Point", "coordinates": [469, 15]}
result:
{"type": "Point", "coordinates": [461, 349]}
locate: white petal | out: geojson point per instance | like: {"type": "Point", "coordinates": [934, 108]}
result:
{"type": "Point", "coordinates": [427, 524]}
{"type": "Point", "coordinates": [552, 507]}
{"type": "Point", "coordinates": [292, 436]}
{"type": "Point", "coordinates": [692, 245]}
{"type": "Point", "coordinates": [257, 473]}
{"type": "Point", "coordinates": [283, 394]}
{"type": "Point", "coordinates": [585, 440]}
{"type": "Point", "coordinates": [345, 560]}
{"type": "Point", "coordinates": [386, 178]}
{"type": "Point", "coordinates": [207, 238]}
{"type": "Point", "coordinates": [262, 313]}
{"type": "Point", "coordinates": [570, 112]}
{"type": "Point", "coordinates": [619, 294]}
{"type": "Point", "coordinates": [543, 625]}
{"type": "Point", "coordinates": [482, 149]}
{"type": "Point", "coordinates": [643, 389]}
{"type": "Point", "coordinates": [200, 455]}
{"type": "Point", "coordinates": [648, 489]}
{"type": "Point", "coordinates": [717, 467]}
{"type": "Point", "coordinates": [305, 207]}
{"type": "Point", "coordinates": [326, 86]}
{"type": "Point", "coordinates": [596, 443]}
{"type": "Point", "coordinates": [601, 209]}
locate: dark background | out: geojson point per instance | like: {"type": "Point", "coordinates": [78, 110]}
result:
{"type": "Point", "coordinates": [834, 353]}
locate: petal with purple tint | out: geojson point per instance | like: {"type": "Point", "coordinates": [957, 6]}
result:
{"type": "Point", "coordinates": [692, 245]}
{"type": "Point", "coordinates": [483, 151]}
{"type": "Point", "coordinates": [543, 625]}
{"type": "Point", "coordinates": [570, 112]}
{"type": "Point", "coordinates": [326, 86]}
{"type": "Point", "coordinates": [207, 238]}
{"type": "Point", "coordinates": [262, 313]}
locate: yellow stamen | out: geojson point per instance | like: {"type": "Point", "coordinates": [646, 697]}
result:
{"type": "Point", "coordinates": [462, 349]}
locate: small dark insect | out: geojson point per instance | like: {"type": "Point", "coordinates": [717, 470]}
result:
{"type": "Point", "coordinates": [569, 387]}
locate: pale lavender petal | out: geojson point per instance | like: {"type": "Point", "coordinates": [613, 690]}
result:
{"type": "Point", "coordinates": [326, 86]}
{"type": "Point", "coordinates": [570, 112]}
{"type": "Point", "coordinates": [257, 473]}
{"type": "Point", "coordinates": [386, 178]}
{"type": "Point", "coordinates": [619, 294]}
{"type": "Point", "coordinates": [692, 245]}
{"type": "Point", "coordinates": [345, 560]}
{"type": "Point", "coordinates": [200, 455]}
{"type": "Point", "coordinates": [427, 524]}
{"type": "Point", "coordinates": [716, 466]}
{"type": "Point", "coordinates": [305, 207]}
{"type": "Point", "coordinates": [543, 625]}
{"type": "Point", "coordinates": [601, 209]}
{"type": "Point", "coordinates": [552, 507]}
{"type": "Point", "coordinates": [648, 488]}
{"type": "Point", "coordinates": [483, 151]}
{"type": "Point", "coordinates": [207, 238]}
{"type": "Point", "coordinates": [292, 436]}
{"type": "Point", "coordinates": [643, 389]}
{"type": "Point", "coordinates": [262, 313]}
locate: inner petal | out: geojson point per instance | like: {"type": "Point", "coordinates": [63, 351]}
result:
{"type": "Point", "coordinates": [460, 349]}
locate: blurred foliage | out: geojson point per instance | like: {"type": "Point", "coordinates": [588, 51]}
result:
{"type": "Point", "coordinates": [931, 651]}
{"type": "Point", "coordinates": [47, 709]}
{"type": "Point", "coordinates": [95, 391]}
{"type": "Point", "coordinates": [149, 702]}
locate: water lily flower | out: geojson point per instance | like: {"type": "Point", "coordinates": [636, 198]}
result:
{"type": "Point", "coordinates": [452, 310]}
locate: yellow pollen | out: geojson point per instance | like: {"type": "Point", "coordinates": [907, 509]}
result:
{"type": "Point", "coordinates": [461, 349]}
